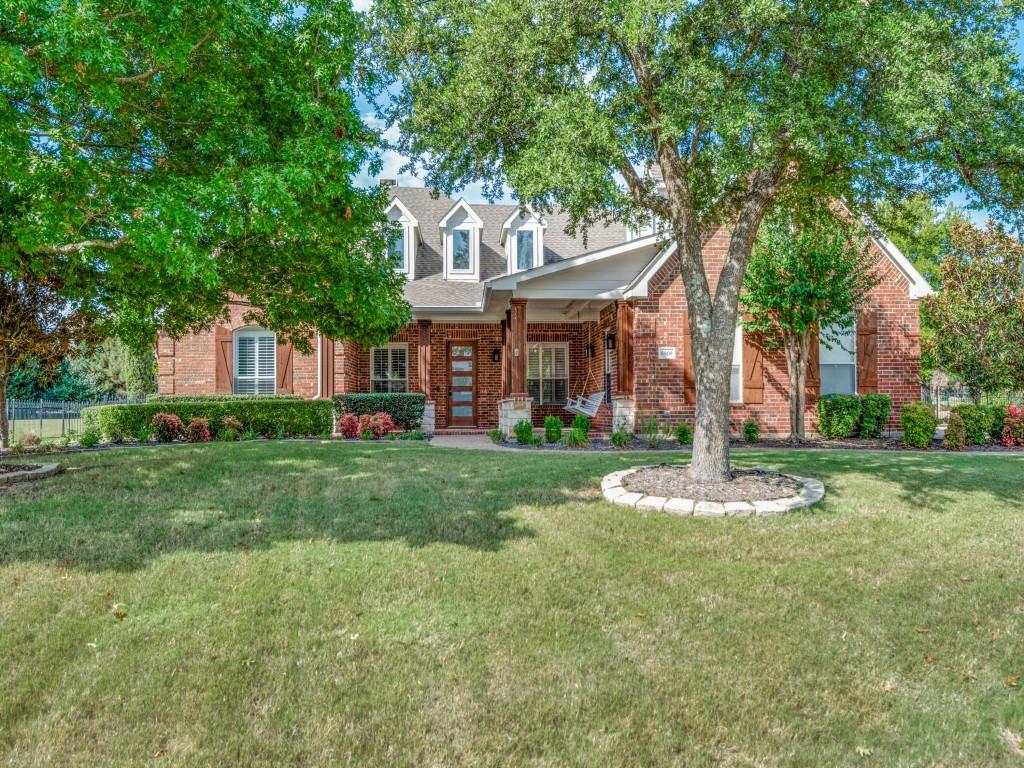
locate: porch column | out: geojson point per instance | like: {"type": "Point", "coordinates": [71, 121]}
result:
{"type": "Point", "coordinates": [423, 366]}
{"type": "Point", "coordinates": [623, 397]}
{"type": "Point", "coordinates": [517, 362]}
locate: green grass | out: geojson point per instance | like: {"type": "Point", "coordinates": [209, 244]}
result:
{"type": "Point", "coordinates": [404, 605]}
{"type": "Point", "coordinates": [50, 428]}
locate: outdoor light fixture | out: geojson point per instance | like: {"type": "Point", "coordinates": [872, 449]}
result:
{"type": "Point", "coordinates": [590, 350]}
{"type": "Point", "coordinates": [609, 341]}
{"type": "Point", "coordinates": [496, 355]}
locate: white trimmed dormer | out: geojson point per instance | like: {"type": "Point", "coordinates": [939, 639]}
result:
{"type": "Point", "coordinates": [522, 234]}
{"type": "Point", "coordinates": [460, 241]}
{"type": "Point", "coordinates": [403, 250]}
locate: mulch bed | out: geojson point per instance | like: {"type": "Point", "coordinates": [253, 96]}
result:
{"type": "Point", "coordinates": [7, 468]}
{"type": "Point", "coordinates": [745, 485]}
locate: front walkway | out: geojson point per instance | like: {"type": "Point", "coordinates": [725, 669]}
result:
{"type": "Point", "coordinates": [471, 442]}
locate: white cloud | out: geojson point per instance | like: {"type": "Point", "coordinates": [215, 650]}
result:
{"type": "Point", "coordinates": [361, 5]}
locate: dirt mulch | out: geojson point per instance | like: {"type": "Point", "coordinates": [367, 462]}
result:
{"type": "Point", "coordinates": [8, 468]}
{"type": "Point", "coordinates": [745, 485]}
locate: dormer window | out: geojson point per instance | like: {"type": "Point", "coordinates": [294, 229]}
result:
{"type": "Point", "coordinates": [403, 247]}
{"type": "Point", "coordinates": [523, 236]}
{"type": "Point", "coordinates": [460, 238]}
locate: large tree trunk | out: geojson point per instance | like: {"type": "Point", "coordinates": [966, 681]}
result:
{"type": "Point", "coordinates": [797, 354]}
{"type": "Point", "coordinates": [5, 439]}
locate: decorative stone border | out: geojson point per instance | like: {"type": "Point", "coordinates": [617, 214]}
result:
{"type": "Point", "coordinates": [613, 490]}
{"type": "Point", "coordinates": [43, 470]}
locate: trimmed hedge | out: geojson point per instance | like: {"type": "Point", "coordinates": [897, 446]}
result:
{"type": "Point", "coordinates": [838, 415]}
{"type": "Point", "coordinates": [874, 415]}
{"type": "Point", "coordinates": [218, 398]}
{"type": "Point", "coordinates": [998, 415]}
{"type": "Point", "coordinates": [269, 418]}
{"type": "Point", "coordinates": [977, 422]}
{"type": "Point", "coordinates": [919, 424]}
{"type": "Point", "coordinates": [404, 408]}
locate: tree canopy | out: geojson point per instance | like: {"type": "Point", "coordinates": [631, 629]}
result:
{"type": "Point", "coordinates": [166, 158]}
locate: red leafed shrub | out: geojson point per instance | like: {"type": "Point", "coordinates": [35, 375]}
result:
{"type": "Point", "coordinates": [167, 427]}
{"type": "Point", "coordinates": [349, 425]}
{"type": "Point", "coordinates": [198, 431]}
{"type": "Point", "coordinates": [378, 424]}
{"type": "Point", "coordinates": [1013, 427]}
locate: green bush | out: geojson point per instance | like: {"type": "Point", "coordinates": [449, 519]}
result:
{"type": "Point", "coordinates": [977, 422]}
{"type": "Point", "coordinates": [956, 434]}
{"type": "Point", "coordinates": [496, 436]}
{"type": "Point", "coordinates": [997, 415]}
{"type": "Point", "coordinates": [576, 438]}
{"type": "Point", "coordinates": [751, 431]}
{"type": "Point", "coordinates": [919, 424]}
{"type": "Point", "coordinates": [404, 408]}
{"type": "Point", "coordinates": [218, 398]}
{"type": "Point", "coordinates": [838, 416]}
{"type": "Point", "coordinates": [90, 437]}
{"type": "Point", "coordinates": [412, 434]}
{"type": "Point", "coordinates": [620, 438]}
{"type": "Point", "coordinates": [552, 429]}
{"type": "Point", "coordinates": [524, 432]}
{"type": "Point", "coordinates": [874, 415]}
{"type": "Point", "coordinates": [266, 417]}
{"type": "Point", "coordinates": [684, 434]}
{"type": "Point", "coordinates": [581, 423]}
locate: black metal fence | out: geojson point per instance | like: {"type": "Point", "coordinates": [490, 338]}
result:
{"type": "Point", "coordinates": [945, 398]}
{"type": "Point", "coordinates": [49, 419]}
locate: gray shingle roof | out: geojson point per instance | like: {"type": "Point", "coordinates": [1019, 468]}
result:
{"type": "Point", "coordinates": [428, 289]}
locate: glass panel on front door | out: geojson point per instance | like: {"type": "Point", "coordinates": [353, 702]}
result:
{"type": "Point", "coordinates": [462, 385]}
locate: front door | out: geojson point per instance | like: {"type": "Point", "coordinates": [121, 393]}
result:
{"type": "Point", "coordinates": [462, 383]}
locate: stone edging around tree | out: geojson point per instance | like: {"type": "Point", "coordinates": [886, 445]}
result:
{"type": "Point", "coordinates": [41, 471]}
{"type": "Point", "coordinates": [611, 485]}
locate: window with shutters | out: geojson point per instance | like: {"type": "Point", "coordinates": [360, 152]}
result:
{"type": "Point", "coordinates": [389, 368]}
{"type": "Point", "coordinates": [736, 377]}
{"type": "Point", "coordinates": [255, 363]}
{"type": "Point", "coordinates": [547, 372]}
{"type": "Point", "coordinates": [837, 359]}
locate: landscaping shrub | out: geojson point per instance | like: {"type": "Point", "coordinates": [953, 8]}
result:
{"type": "Point", "coordinates": [348, 425]}
{"type": "Point", "coordinates": [261, 416]}
{"type": "Point", "coordinates": [1013, 427]}
{"type": "Point", "coordinates": [231, 429]}
{"type": "Point", "coordinates": [524, 432]}
{"type": "Point", "coordinates": [838, 416]}
{"type": "Point", "coordinates": [751, 431]}
{"type": "Point", "coordinates": [684, 434]}
{"type": "Point", "coordinates": [367, 435]}
{"type": "Point", "coordinates": [167, 427]}
{"type": "Point", "coordinates": [874, 415]}
{"type": "Point", "coordinates": [412, 434]}
{"type": "Point", "coordinates": [581, 423]}
{"type": "Point", "coordinates": [219, 398]}
{"type": "Point", "coordinates": [552, 429]}
{"type": "Point", "coordinates": [90, 437]}
{"type": "Point", "coordinates": [650, 429]}
{"type": "Point", "coordinates": [620, 438]}
{"type": "Point", "coordinates": [377, 424]}
{"type": "Point", "coordinates": [919, 424]}
{"type": "Point", "coordinates": [404, 408]}
{"type": "Point", "coordinates": [144, 435]}
{"type": "Point", "coordinates": [977, 422]}
{"type": "Point", "coordinates": [956, 434]}
{"type": "Point", "coordinates": [29, 441]}
{"type": "Point", "coordinates": [576, 438]}
{"type": "Point", "coordinates": [197, 431]}
{"type": "Point", "coordinates": [496, 436]}
{"type": "Point", "coordinates": [997, 416]}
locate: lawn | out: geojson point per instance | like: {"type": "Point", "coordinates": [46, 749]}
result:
{"type": "Point", "coordinates": [405, 605]}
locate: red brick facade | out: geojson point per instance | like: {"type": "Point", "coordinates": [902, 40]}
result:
{"type": "Point", "coordinates": [662, 388]}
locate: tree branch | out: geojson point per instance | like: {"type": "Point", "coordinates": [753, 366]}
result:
{"type": "Point", "coordinates": [108, 245]}
{"type": "Point", "coordinates": [127, 79]}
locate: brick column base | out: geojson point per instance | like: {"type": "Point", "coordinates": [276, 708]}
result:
{"type": "Point", "coordinates": [429, 418]}
{"type": "Point", "coordinates": [511, 411]}
{"type": "Point", "coordinates": [623, 414]}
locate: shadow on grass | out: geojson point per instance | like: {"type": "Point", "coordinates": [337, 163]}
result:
{"type": "Point", "coordinates": [119, 509]}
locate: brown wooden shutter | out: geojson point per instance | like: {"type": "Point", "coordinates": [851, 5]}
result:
{"type": "Point", "coordinates": [813, 388]}
{"type": "Point", "coordinates": [225, 360]}
{"type": "Point", "coordinates": [753, 369]}
{"type": "Point", "coordinates": [285, 355]}
{"type": "Point", "coordinates": [867, 352]}
{"type": "Point", "coordinates": [689, 378]}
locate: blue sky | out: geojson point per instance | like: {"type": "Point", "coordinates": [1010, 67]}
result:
{"type": "Point", "coordinates": [394, 161]}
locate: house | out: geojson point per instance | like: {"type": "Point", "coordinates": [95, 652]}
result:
{"type": "Point", "coordinates": [513, 317]}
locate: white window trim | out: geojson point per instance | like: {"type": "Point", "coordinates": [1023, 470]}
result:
{"type": "Point", "coordinates": [540, 378]}
{"type": "Point", "coordinates": [735, 363]}
{"type": "Point", "coordinates": [474, 225]}
{"type": "Point", "coordinates": [256, 332]}
{"type": "Point", "coordinates": [409, 226]}
{"type": "Point", "coordinates": [389, 347]}
{"type": "Point", "coordinates": [525, 220]}
{"type": "Point", "coordinates": [853, 354]}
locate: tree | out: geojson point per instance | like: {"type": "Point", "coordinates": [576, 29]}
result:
{"type": "Point", "coordinates": [809, 272]}
{"type": "Point", "coordinates": [36, 324]}
{"type": "Point", "coordinates": [922, 231]}
{"type": "Point", "coordinates": [734, 102]}
{"type": "Point", "coordinates": [978, 316]}
{"type": "Point", "coordinates": [114, 369]}
{"type": "Point", "coordinates": [162, 159]}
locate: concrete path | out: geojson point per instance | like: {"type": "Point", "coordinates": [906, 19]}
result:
{"type": "Point", "coordinates": [472, 442]}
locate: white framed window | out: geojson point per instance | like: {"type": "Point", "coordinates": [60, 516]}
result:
{"type": "Point", "coordinates": [547, 372]}
{"type": "Point", "coordinates": [403, 248]}
{"type": "Point", "coordinates": [460, 235]}
{"type": "Point", "coordinates": [389, 368]}
{"type": "Point", "coordinates": [522, 234]}
{"type": "Point", "coordinates": [736, 376]}
{"type": "Point", "coordinates": [398, 256]}
{"type": "Point", "coordinates": [838, 364]}
{"type": "Point", "coordinates": [255, 363]}
{"type": "Point", "coordinates": [525, 246]}
{"type": "Point", "coordinates": [461, 250]}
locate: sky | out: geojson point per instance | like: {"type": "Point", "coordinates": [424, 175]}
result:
{"type": "Point", "coordinates": [393, 161]}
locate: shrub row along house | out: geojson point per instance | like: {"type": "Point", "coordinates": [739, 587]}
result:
{"type": "Point", "coordinates": [516, 319]}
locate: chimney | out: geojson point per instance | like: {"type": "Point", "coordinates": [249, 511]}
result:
{"type": "Point", "coordinates": [388, 183]}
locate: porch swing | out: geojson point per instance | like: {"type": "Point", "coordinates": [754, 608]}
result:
{"type": "Point", "coordinates": [585, 405]}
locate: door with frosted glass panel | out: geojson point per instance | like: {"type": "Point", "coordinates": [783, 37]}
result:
{"type": "Point", "coordinates": [462, 384]}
